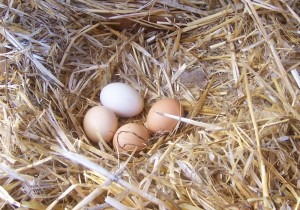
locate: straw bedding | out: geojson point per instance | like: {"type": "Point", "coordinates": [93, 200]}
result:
{"type": "Point", "coordinates": [229, 63]}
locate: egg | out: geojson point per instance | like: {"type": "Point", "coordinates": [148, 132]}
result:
{"type": "Point", "coordinates": [158, 123]}
{"type": "Point", "coordinates": [122, 99]}
{"type": "Point", "coordinates": [100, 121]}
{"type": "Point", "coordinates": [131, 136]}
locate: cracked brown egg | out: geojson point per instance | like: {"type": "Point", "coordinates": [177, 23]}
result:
{"type": "Point", "coordinates": [130, 137]}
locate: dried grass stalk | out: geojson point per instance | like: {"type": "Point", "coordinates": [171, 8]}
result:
{"type": "Point", "coordinates": [233, 66]}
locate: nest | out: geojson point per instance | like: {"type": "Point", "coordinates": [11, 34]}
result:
{"type": "Point", "coordinates": [232, 64]}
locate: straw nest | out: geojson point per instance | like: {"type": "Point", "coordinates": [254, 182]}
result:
{"type": "Point", "coordinates": [232, 64]}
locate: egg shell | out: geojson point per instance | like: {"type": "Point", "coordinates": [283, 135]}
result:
{"type": "Point", "coordinates": [158, 123]}
{"type": "Point", "coordinates": [122, 99]}
{"type": "Point", "coordinates": [130, 136]}
{"type": "Point", "coordinates": [100, 121]}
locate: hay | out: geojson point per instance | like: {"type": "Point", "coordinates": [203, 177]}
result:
{"type": "Point", "coordinates": [233, 66]}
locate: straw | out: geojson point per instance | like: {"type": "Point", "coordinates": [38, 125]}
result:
{"type": "Point", "coordinates": [233, 65]}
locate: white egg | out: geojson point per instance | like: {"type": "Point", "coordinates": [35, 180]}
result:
{"type": "Point", "coordinates": [122, 99]}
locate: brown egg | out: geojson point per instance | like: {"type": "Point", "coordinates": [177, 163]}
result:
{"type": "Point", "coordinates": [100, 121]}
{"type": "Point", "coordinates": [158, 123]}
{"type": "Point", "coordinates": [131, 136]}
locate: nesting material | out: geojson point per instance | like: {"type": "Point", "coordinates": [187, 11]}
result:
{"type": "Point", "coordinates": [233, 65]}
